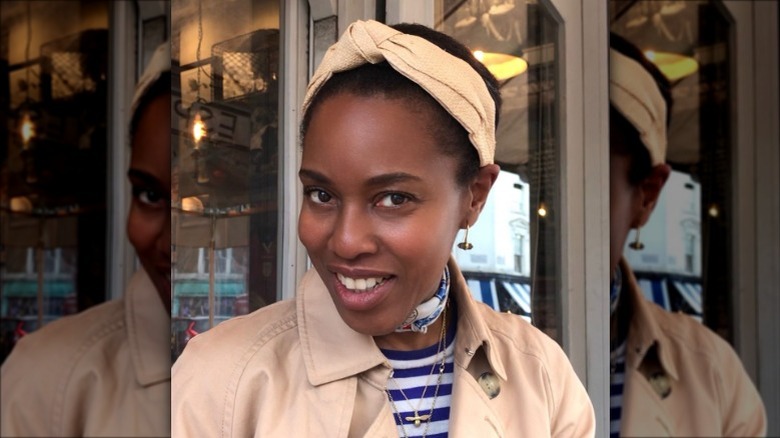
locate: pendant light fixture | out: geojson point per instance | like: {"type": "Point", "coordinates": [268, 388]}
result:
{"type": "Point", "coordinates": [27, 116]}
{"type": "Point", "coordinates": [199, 129]}
{"type": "Point", "coordinates": [503, 66]}
{"type": "Point", "coordinates": [673, 65]}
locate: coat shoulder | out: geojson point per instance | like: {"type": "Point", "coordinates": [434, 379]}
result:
{"type": "Point", "coordinates": [68, 339]}
{"type": "Point", "coordinates": [685, 333]}
{"type": "Point", "coordinates": [44, 364]}
{"type": "Point", "coordinates": [520, 336]}
{"type": "Point", "coordinates": [235, 337]}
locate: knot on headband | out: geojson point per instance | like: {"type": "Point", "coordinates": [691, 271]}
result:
{"type": "Point", "coordinates": [458, 88]}
{"type": "Point", "coordinates": [635, 94]}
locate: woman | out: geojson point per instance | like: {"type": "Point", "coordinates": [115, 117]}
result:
{"type": "Point", "coordinates": [383, 337]}
{"type": "Point", "coordinates": [677, 378]}
{"type": "Point", "coordinates": [106, 371]}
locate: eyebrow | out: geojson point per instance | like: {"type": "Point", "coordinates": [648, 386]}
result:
{"type": "Point", "coordinates": [144, 177]}
{"type": "Point", "coordinates": [379, 180]}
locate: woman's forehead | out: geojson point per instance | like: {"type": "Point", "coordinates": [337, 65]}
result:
{"type": "Point", "coordinates": [362, 137]}
{"type": "Point", "coordinates": [368, 119]}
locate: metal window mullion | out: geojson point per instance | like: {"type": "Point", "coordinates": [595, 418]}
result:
{"type": "Point", "coordinates": [767, 72]}
{"type": "Point", "coordinates": [585, 196]}
{"type": "Point", "coordinates": [122, 75]}
{"type": "Point", "coordinates": [294, 76]}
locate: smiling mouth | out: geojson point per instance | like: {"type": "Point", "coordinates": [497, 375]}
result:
{"type": "Point", "coordinates": [359, 285]}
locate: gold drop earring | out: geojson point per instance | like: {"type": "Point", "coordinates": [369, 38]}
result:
{"type": "Point", "coordinates": [466, 245]}
{"type": "Point", "coordinates": [636, 244]}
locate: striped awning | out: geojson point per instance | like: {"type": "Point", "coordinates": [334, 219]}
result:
{"type": "Point", "coordinates": [655, 290]}
{"type": "Point", "coordinates": [691, 293]}
{"type": "Point", "coordinates": [484, 290]}
{"type": "Point", "coordinates": [521, 293]}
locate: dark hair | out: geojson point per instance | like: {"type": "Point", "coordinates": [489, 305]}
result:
{"type": "Point", "coordinates": [160, 87]}
{"type": "Point", "coordinates": [382, 80]}
{"type": "Point", "coordinates": [624, 139]}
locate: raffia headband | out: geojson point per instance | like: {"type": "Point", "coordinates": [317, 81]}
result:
{"type": "Point", "coordinates": [448, 79]}
{"type": "Point", "coordinates": [635, 94]}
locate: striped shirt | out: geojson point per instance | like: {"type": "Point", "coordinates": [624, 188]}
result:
{"type": "Point", "coordinates": [412, 372]}
{"type": "Point", "coordinates": [616, 379]}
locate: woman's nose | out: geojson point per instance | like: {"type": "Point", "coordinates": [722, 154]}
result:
{"type": "Point", "coordinates": [353, 234]}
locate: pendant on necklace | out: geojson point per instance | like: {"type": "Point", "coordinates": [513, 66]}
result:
{"type": "Point", "coordinates": [417, 419]}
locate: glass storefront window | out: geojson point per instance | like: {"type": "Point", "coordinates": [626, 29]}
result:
{"type": "Point", "coordinates": [53, 124]}
{"type": "Point", "coordinates": [686, 264]}
{"type": "Point", "coordinates": [515, 263]}
{"type": "Point", "coordinates": [225, 194]}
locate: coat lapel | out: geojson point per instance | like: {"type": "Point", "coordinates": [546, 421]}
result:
{"type": "Point", "coordinates": [471, 414]}
{"type": "Point", "coordinates": [644, 412]}
{"type": "Point", "coordinates": [383, 425]}
{"type": "Point", "coordinates": [648, 415]}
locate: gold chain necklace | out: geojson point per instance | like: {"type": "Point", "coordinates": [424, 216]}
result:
{"type": "Point", "coordinates": [417, 419]}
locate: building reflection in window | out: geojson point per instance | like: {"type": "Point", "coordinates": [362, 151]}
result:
{"type": "Point", "coordinates": [515, 263]}
{"type": "Point", "coordinates": [53, 89]}
{"type": "Point", "coordinates": [225, 215]}
{"type": "Point", "coordinates": [688, 237]}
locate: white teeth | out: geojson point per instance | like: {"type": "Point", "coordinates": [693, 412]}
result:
{"type": "Point", "coordinates": [360, 284]}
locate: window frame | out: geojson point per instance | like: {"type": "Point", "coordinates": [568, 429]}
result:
{"type": "Point", "coordinates": [756, 164]}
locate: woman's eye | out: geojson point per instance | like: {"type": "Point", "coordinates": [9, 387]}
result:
{"type": "Point", "coordinates": [392, 200]}
{"type": "Point", "coordinates": [148, 196]}
{"type": "Point", "coordinates": [320, 196]}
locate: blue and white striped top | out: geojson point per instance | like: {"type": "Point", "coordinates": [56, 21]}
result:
{"type": "Point", "coordinates": [411, 371]}
{"type": "Point", "coordinates": [617, 377]}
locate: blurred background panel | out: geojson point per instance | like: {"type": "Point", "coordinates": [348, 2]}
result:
{"type": "Point", "coordinates": [227, 212]}
{"type": "Point", "coordinates": [67, 71]}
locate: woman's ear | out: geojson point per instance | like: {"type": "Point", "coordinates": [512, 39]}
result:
{"type": "Point", "coordinates": [478, 192]}
{"type": "Point", "coordinates": [649, 190]}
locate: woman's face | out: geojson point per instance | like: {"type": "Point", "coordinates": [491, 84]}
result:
{"type": "Point", "coordinates": [149, 221]}
{"type": "Point", "coordinates": [381, 208]}
{"type": "Point", "coordinates": [623, 205]}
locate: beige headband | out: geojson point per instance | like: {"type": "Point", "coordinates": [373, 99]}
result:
{"type": "Point", "coordinates": [450, 80]}
{"type": "Point", "coordinates": [635, 94]}
{"type": "Point", "coordinates": [159, 63]}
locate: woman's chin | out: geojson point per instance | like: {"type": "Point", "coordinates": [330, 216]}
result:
{"type": "Point", "coordinates": [368, 325]}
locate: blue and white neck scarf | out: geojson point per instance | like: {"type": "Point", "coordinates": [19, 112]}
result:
{"type": "Point", "coordinates": [426, 313]}
{"type": "Point", "coordinates": [614, 290]}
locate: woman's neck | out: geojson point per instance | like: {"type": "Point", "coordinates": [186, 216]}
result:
{"type": "Point", "coordinates": [407, 341]}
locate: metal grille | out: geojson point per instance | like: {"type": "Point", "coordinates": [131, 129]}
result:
{"type": "Point", "coordinates": [244, 73]}
{"type": "Point", "coordinates": [67, 76]}
{"type": "Point", "coordinates": [246, 65]}
{"type": "Point", "coordinates": [74, 64]}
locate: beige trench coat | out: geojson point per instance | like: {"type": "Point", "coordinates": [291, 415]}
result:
{"type": "Point", "coordinates": [682, 379]}
{"type": "Point", "coordinates": [295, 369]}
{"type": "Point", "coordinates": [103, 372]}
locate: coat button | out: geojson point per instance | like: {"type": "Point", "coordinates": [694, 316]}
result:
{"type": "Point", "coordinates": [490, 384]}
{"type": "Point", "coordinates": [661, 385]}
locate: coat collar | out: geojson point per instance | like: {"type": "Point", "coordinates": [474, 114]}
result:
{"type": "Point", "coordinates": [148, 330]}
{"type": "Point", "coordinates": [472, 333]}
{"type": "Point", "coordinates": [644, 330]}
{"type": "Point", "coordinates": [333, 351]}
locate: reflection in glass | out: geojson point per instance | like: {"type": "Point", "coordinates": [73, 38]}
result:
{"type": "Point", "coordinates": [686, 264]}
{"type": "Point", "coordinates": [514, 265]}
{"type": "Point", "coordinates": [53, 148]}
{"type": "Point", "coordinates": [226, 162]}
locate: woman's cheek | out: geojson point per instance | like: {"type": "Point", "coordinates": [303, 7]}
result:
{"type": "Point", "coordinates": [309, 230]}
{"type": "Point", "coordinates": [140, 231]}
